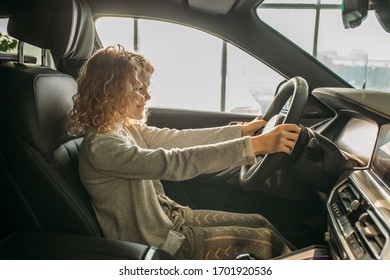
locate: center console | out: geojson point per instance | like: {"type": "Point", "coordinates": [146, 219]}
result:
{"type": "Point", "coordinates": [359, 216]}
{"type": "Point", "coordinates": [358, 221]}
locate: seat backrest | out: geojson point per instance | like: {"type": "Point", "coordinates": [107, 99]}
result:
{"type": "Point", "coordinates": [42, 189]}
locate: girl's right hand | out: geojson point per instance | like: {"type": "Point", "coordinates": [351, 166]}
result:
{"type": "Point", "coordinates": [281, 138]}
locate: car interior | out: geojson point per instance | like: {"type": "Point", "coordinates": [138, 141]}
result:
{"type": "Point", "coordinates": [330, 197]}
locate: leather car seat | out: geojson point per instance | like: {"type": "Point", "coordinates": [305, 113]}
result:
{"type": "Point", "coordinates": [40, 188]}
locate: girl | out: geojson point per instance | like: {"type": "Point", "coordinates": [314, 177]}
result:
{"type": "Point", "coordinates": [122, 160]}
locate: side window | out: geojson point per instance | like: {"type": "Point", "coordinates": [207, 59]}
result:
{"type": "Point", "coordinates": [187, 62]}
{"type": "Point", "coordinates": [251, 84]}
{"type": "Point", "coordinates": [194, 70]}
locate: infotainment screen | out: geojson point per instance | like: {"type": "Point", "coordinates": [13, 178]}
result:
{"type": "Point", "coordinates": [380, 163]}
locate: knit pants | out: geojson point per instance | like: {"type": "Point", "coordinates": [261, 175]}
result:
{"type": "Point", "coordinates": [227, 235]}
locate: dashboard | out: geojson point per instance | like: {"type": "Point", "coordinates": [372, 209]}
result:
{"type": "Point", "coordinates": [357, 138]}
{"type": "Point", "coordinates": [380, 163]}
{"type": "Point", "coordinates": [358, 204]}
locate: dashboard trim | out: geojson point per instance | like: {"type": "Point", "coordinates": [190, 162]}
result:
{"type": "Point", "coordinates": [358, 98]}
{"type": "Point", "coordinates": [377, 197]}
{"type": "Point", "coordinates": [335, 226]}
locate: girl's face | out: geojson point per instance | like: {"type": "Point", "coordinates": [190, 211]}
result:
{"type": "Point", "coordinates": [136, 109]}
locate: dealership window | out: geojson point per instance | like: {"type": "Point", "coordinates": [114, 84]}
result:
{"type": "Point", "coordinates": [194, 70]}
{"type": "Point", "coordinates": [187, 64]}
{"type": "Point", "coordinates": [359, 55]}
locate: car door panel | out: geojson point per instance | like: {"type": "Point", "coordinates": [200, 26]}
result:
{"type": "Point", "coordinates": [182, 118]}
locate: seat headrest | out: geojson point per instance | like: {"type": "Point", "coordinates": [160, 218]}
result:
{"type": "Point", "coordinates": [35, 102]}
{"type": "Point", "coordinates": [65, 27]}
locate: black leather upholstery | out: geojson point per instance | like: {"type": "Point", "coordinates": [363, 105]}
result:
{"type": "Point", "coordinates": [49, 246]}
{"type": "Point", "coordinates": [40, 187]}
{"type": "Point", "coordinates": [39, 154]}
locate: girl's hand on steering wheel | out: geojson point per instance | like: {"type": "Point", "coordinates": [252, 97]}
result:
{"type": "Point", "coordinates": [281, 138]}
{"type": "Point", "coordinates": [249, 128]}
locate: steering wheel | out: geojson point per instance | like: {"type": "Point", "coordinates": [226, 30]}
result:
{"type": "Point", "coordinates": [252, 176]}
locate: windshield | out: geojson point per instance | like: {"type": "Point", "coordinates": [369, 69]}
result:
{"type": "Point", "coordinates": [360, 55]}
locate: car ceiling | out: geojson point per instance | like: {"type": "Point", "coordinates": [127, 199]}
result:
{"type": "Point", "coordinates": [207, 6]}
{"type": "Point", "coordinates": [212, 7]}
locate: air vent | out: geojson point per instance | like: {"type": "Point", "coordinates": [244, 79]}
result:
{"type": "Point", "coordinates": [349, 198]}
{"type": "Point", "coordinates": [372, 233]}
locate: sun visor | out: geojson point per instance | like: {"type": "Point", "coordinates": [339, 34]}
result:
{"type": "Point", "coordinates": [65, 27]}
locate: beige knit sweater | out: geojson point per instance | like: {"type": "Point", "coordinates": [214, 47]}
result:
{"type": "Point", "coordinates": [121, 172]}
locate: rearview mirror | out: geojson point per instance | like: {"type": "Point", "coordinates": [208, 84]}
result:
{"type": "Point", "coordinates": [355, 11]}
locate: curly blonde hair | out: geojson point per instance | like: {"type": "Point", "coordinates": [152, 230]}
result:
{"type": "Point", "coordinates": [106, 86]}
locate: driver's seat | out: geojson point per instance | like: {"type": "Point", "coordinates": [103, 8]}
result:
{"type": "Point", "coordinates": [40, 188]}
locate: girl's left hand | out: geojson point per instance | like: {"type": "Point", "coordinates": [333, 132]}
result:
{"type": "Point", "coordinates": [249, 128]}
